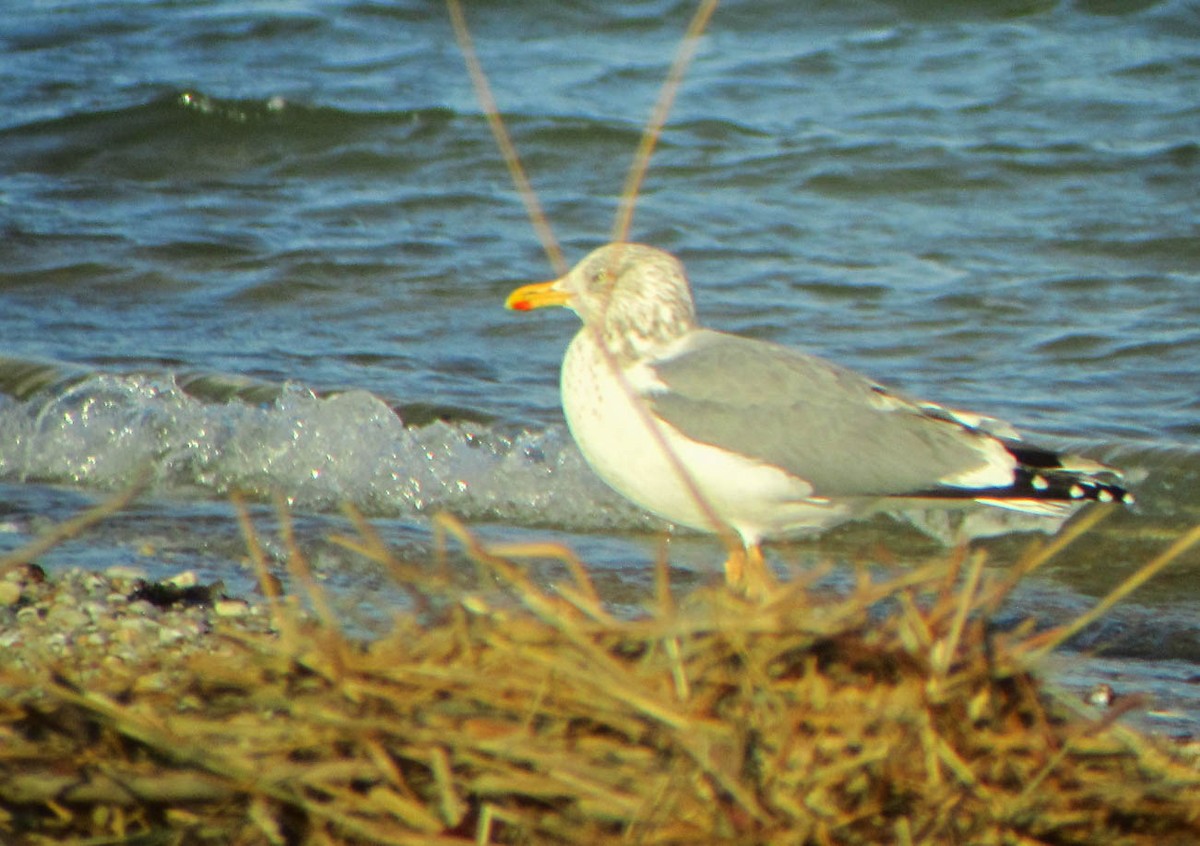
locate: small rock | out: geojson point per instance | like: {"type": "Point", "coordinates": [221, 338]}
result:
{"type": "Point", "coordinates": [95, 610]}
{"type": "Point", "coordinates": [10, 594]}
{"type": "Point", "coordinates": [126, 572]}
{"type": "Point", "coordinates": [142, 607]}
{"type": "Point", "coordinates": [168, 636]}
{"type": "Point", "coordinates": [65, 617]}
{"type": "Point", "coordinates": [231, 607]}
{"type": "Point", "coordinates": [1101, 695]}
{"type": "Point", "coordinates": [27, 573]}
{"type": "Point", "coordinates": [186, 579]}
{"type": "Point", "coordinates": [94, 639]}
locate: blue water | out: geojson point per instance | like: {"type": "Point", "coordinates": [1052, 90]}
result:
{"type": "Point", "coordinates": [264, 247]}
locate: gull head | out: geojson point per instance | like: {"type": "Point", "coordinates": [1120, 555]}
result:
{"type": "Point", "coordinates": [634, 297]}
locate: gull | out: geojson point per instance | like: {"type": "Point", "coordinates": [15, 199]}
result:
{"type": "Point", "coordinates": [754, 440]}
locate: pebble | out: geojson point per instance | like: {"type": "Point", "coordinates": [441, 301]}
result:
{"type": "Point", "coordinates": [231, 607]}
{"type": "Point", "coordinates": [10, 593]}
{"type": "Point", "coordinates": [182, 580]}
{"type": "Point", "coordinates": [95, 610]}
{"type": "Point", "coordinates": [167, 636]}
{"type": "Point", "coordinates": [65, 617]}
{"type": "Point", "coordinates": [125, 572]}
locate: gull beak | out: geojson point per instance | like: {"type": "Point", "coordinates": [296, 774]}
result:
{"type": "Point", "coordinates": [537, 295]}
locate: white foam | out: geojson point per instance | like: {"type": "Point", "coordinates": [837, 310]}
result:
{"type": "Point", "coordinates": [317, 452]}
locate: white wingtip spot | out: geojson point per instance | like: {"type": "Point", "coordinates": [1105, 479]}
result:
{"type": "Point", "coordinates": [1104, 496]}
{"type": "Point", "coordinates": [1076, 492]}
{"type": "Point", "coordinates": [1039, 483]}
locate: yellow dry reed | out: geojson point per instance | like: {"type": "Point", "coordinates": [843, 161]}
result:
{"type": "Point", "coordinates": [892, 714]}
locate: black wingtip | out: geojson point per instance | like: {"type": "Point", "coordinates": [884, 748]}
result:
{"type": "Point", "coordinates": [1045, 476]}
{"type": "Point", "coordinates": [1066, 486]}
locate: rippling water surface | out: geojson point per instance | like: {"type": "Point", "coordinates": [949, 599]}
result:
{"type": "Point", "coordinates": [264, 247]}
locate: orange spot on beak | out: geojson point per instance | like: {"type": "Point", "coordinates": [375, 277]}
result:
{"type": "Point", "coordinates": [537, 295]}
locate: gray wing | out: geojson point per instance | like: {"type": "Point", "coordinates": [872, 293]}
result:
{"type": "Point", "coordinates": [838, 430]}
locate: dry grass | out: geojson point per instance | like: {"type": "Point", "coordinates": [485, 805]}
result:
{"type": "Point", "coordinates": [530, 715]}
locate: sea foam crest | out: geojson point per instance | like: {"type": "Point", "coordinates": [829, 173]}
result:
{"type": "Point", "coordinates": [319, 452]}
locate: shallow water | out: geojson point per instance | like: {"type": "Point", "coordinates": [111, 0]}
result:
{"type": "Point", "coordinates": [264, 248]}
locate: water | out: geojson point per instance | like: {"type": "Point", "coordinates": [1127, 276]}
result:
{"type": "Point", "coordinates": [264, 247]}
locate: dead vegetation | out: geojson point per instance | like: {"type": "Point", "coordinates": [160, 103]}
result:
{"type": "Point", "coordinates": [893, 714]}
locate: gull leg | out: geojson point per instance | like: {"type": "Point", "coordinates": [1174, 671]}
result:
{"type": "Point", "coordinates": [757, 581]}
{"type": "Point", "coordinates": [735, 568]}
{"type": "Point", "coordinates": [746, 572]}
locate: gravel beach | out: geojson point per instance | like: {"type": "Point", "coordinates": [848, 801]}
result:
{"type": "Point", "coordinates": [87, 625]}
